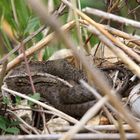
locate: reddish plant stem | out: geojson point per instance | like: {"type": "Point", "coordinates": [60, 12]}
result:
{"type": "Point", "coordinates": [27, 67]}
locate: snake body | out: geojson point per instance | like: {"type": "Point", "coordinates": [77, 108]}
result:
{"type": "Point", "coordinates": [74, 100]}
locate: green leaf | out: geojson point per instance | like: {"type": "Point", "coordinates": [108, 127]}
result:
{"type": "Point", "coordinates": [35, 96]}
{"type": "Point", "coordinates": [32, 23]}
{"type": "Point", "coordinates": [3, 122]}
{"type": "Point", "coordinates": [6, 40]}
{"type": "Point", "coordinates": [13, 130]}
{"type": "Point", "coordinates": [14, 123]}
{"type": "Point", "coordinates": [2, 125]}
{"type": "Point", "coordinates": [22, 15]}
{"type": "Point", "coordinates": [18, 100]}
{"type": "Point", "coordinates": [5, 125]}
{"type": "Point", "coordinates": [5, 100]}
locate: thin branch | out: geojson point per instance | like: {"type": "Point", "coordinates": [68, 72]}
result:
{"type": "Point", "coordinates": [22, 121]}
{"type": "Point", "coordinates": [59, 113]}
{"type": "Point", "coordinates": [103, 31]}
{"type": "Point", "coordinates": [89, 114]}
{"type": "Point", "coordinates": [122, 34]}
{"type": "Point", "coordinates": [3, 72]}
{"type": "Point", "coordinates": [38, 46]}
{"type": "Point", "coordinates": [118, 52]}
{"type": "Point", "coordinates": [108, 128]}
{"type": "Point", "coordinates": [27, 67]}
{"type": "Point", "coordinates": [112, 17]}
{"type": "Point", "coordinates": [87, 136]}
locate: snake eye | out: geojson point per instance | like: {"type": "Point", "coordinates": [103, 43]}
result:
{"type": "Point", "coordinates": [21, 82]}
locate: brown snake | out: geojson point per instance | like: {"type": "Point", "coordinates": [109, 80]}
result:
{"type": "Point", "coordinates": [48, 79]}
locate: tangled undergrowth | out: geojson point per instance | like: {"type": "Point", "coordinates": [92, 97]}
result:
{"type": "Point", "coordinates": [87, 90]}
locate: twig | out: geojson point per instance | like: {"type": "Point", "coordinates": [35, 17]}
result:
{"type": "Point", "coordinates": [24, 129]}
{"type": "Point", "coordinates": [118, 52]}
{"type": "Point", "coordinates": [134, 39]}
{"type": "Point", "coordinates": [107, 34]}
{"type": "Point", "coordinates": [36, 110]}
{"type": "Point", "coordinates": [112, 17]}
{"type": "Point", "coordinates": [98, 97]}
{"type": "Point", "coordinates": [118, 43]}
{"type": "Point", "coordinates": [122, 34]}
{"type": "Point", "coordinates": [27, 67]}
{"type": "Point", "coordinates": [38, 46]}
{"type": "Point", "coordinates": [89, 114]}
{"type": "Point", "coordinates": [45, 128]}
{"type": "Point", "coordinates": [109, 128]}
{"type": "Point", "coordinates": [59, 113]}
{"type": "Point", "coordinates": [111, 8]}
{"type": "Point", "coordinates": [121, 130]}
{"type": "Point", "coordinates": [24, 42]}
{"type": "Point", "coordinates": [3, 72]}
{"type": "Point", "coordinates": [22, 121]}
{"type": "Point", "coordinates": [84, 136]}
